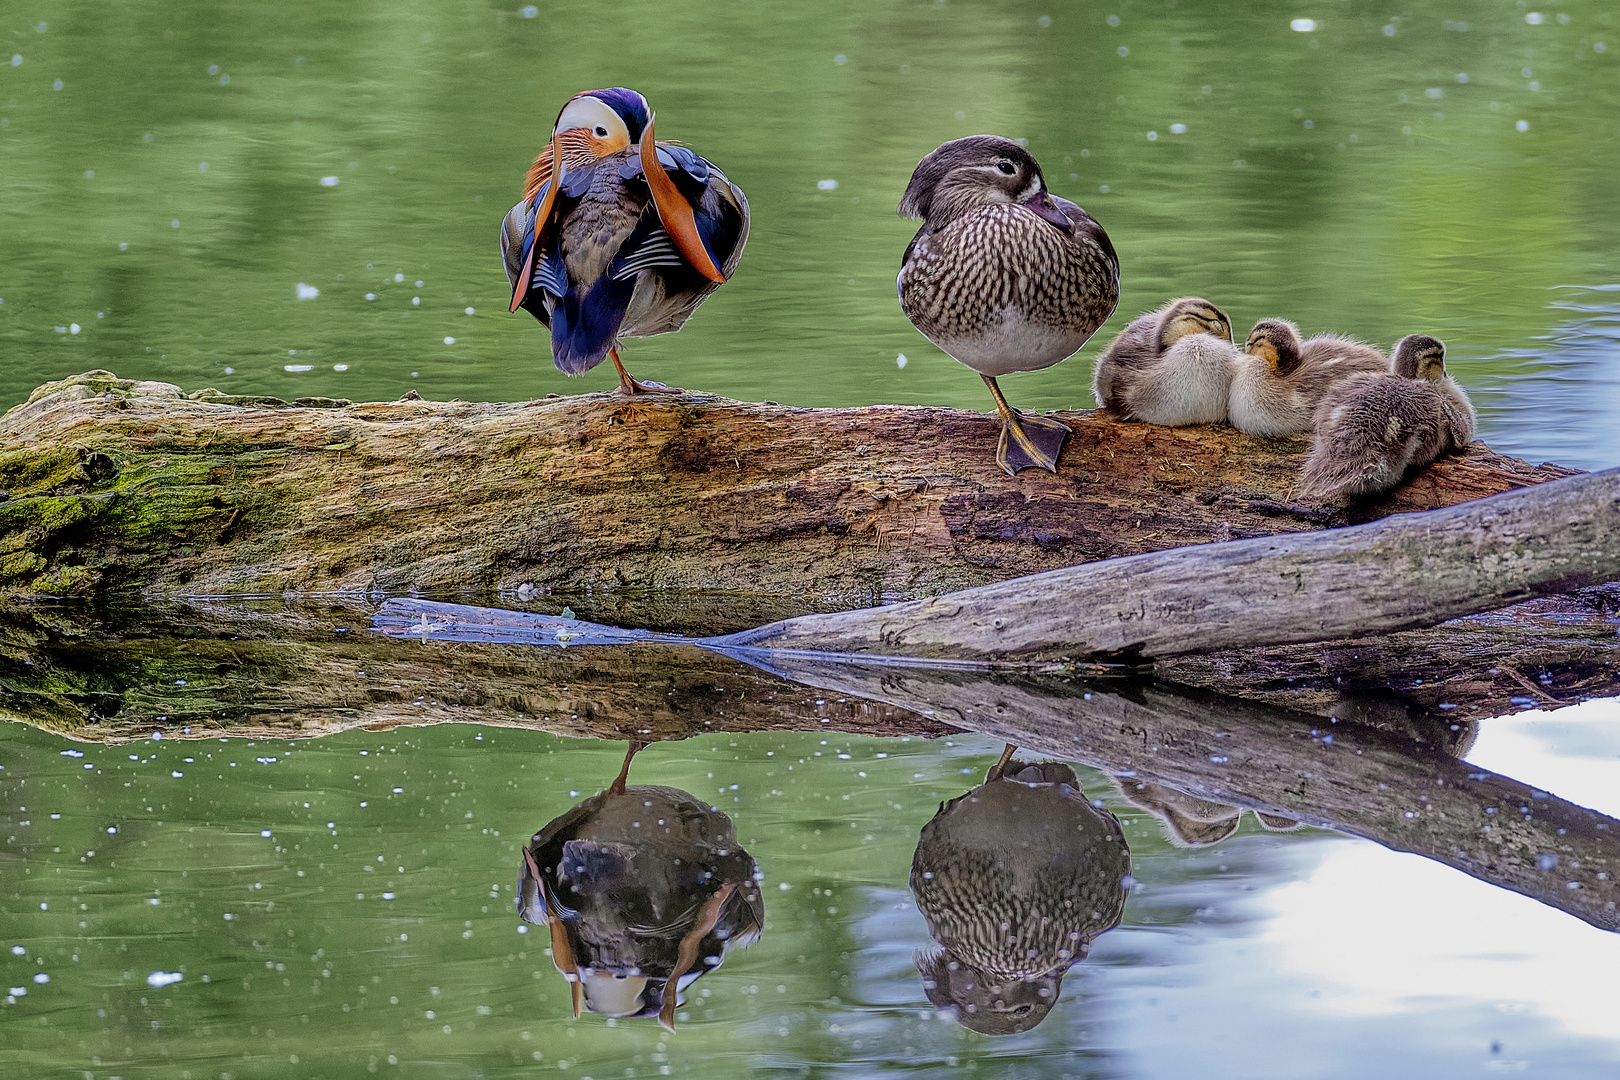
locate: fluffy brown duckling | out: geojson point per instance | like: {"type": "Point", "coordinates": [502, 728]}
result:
{"type": "Point", "coordinates": [1016, 878]}
{"type": "Point", "coordinates": [1281, 379]}
{"type": "Point", "coordinates": [1003, 276]}
{"type": "Point", "coordinates": [1172, 366]}
{"type": "Point", "coordinates": [1371, 430]}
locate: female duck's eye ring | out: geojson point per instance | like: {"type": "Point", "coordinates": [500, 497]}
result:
{"type": "Point", "coordinates": [1006, 167]}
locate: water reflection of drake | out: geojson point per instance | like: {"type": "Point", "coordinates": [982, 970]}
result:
{"type": "Point", "coordinates": [1016, 879]}
{"type": "Point", "coordinates": [641, 887]}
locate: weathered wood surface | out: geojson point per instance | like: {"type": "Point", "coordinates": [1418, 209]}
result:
{"type": "Point", "coordinates": [1400, 572]}
{"type": "Point", "coordinates": [113, 486]}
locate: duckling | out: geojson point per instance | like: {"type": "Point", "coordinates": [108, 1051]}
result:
{"type": "Point", "coordinates": [1015, 878]}
{"type": "Point", "coordinates": [1003, 276]}
{"type": "Point", "coordinates": [1172, 366]}
{"type": "Point", "coordinates": [1371, 430]}
{"type": "Point", "coordinates": [1277, 385]}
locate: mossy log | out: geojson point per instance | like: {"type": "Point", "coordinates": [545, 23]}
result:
{"type": "Point", "coordinates": [113, 486]}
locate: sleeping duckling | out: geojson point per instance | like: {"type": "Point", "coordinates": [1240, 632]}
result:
{"type": "Point", "coordinates": [1277, 385]}
{"type": "Point", "coordinates": [1172, 366]}
{"type": "Point", "coordinates": [1372, 429]}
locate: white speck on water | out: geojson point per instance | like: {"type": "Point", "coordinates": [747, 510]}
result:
{"type": "Point", "coordinates": [73, 753]}
{"type": "Point", "coordinates": [57, 85]}
{"type": "Point", "coordinates": [827, 185]}
{"type": "Point", "coordinates": [371, 296]}
{"type": "Point", "coordinates": [1434, 92]}
{"type": "Point", "coordinates": [387, 896]}
{"type": "Point", "coordinates": [1219, 759]}
{"type": "Point", "coordinates": [175, 224]}
{"type": "Point", "coordinates": [42, 978]}
{"type": "Point", "coordinates": [1389, 31]}
{"type": "Point", "coordinates": [1103, 188]}
{"type": "Point", "coordinates": [1178, 129]}
{"type": "Point", "coordinates": [266, 833]}
{"type": "Point", "coordinates": [307, 292]}
{"type": "Point", "coordinates": [298, 367]}
{"type": "Point", "coordinates": [1523, 125]}
{"type": "Point", "coordinates": [1044, 21]}
{"type": "Point", "coordinates": [16, 60]}
{"type": "Point", "coordinates": [329, 181]}
{"type": "Point", "coordinates": [18, 950]}
{"type": "Point", "coordinates": [840, 59]}
{"type": "Point", "coordinates": [1153, 136]}
{"type": "Point", "coordinates": [1303, 26]}
{"type": "Point", "coordinates": [73, 328]}
{"type": "Point", "coordinates": [1546, 861]}
{"type": "Point", "coordinates": [18, 991]}
{"type": "Point", "coordinates": [1597, 46]}
{"type": "Point", "coordinates": [213, 69]}
{"type": "Point", "coordinates": [419, 284]}
{"type": "Point", "coordinates": [229, 917]}
{"type": "Point", "coordinates": [1535, 87]}
{"type": "Point", "coordinates": [449, 341]}
{"type": "Point", "coordinates": [89, 174]}
{"type": "Point", "coordinates": [900, 361]}
{"type": "Point", "coordinates": [470, 311]}
{"type": "Point", "coordinates": [160, 979]}
{"type": "Point", "coordinates": [1534, 18]}
{"type": "Point", "coordinates": [230, 371]}
{"type": "Point", "coordinates": [340, 367]}
{"type": "Point", "coordinates": [529, 12]}
{"type": "Point", "coordinates": [1112, 20]}
{"type": "Point", "coordinates": [177, 774]}
{"type": "Point", "coordinates": [399, 791]}
{"type": "Point", "coordinates": [1462, 76]}
{"type": "Point", "coordinates": [399, 277]}
{"type": "Point", "coordinates": [416, 301]}
{"type": "Point", "coordinates": [1127, 882]}
{"type": "Point", "coordinates": [1123, 51]}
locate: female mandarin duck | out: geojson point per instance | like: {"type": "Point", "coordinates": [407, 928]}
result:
{"type": "Point", "coordinates": [618, 235]}
{"type": "Point", "coordinates": [1172, 366]}
{"type": "Point", "coordinates": [1003, 276]}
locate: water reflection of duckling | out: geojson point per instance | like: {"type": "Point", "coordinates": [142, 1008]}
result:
{"type": "Point", "coordinates": [1371, 430]}
{"type": "Point", "coordinates": [1278, 383]}
{"type": "Point", "coordinates": [643, 889]}
{"type": "Point", "coordinates": [1190, 821]}
{"type": "Point", "coordinates": [1016, 879]}
{"type": "Point", "coordinates": [1172, 366]}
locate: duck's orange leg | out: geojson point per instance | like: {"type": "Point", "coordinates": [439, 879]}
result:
{"type": "Point", "coordinates": [630, 386]}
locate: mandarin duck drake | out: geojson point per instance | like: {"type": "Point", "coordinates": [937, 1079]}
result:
{"type": "Point", "coordinates": [1003, 276]}
{"type": "Point", "coordinates": [1172, 366]}
{"type": "Point", "coordinates": [644, 890]}
{"type": "Point", "coordinates": [1371, 430]}
{"type": "Point", "coordinates": [1015, 878]}
{"type": "Point", "coordinates": [618, 235]}
{"type": "Point", "coordinates": [1280, 380]}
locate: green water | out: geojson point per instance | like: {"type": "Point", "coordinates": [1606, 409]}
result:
{"type": "Point", "coordinates": [1346, 177]}
{"type": "Point", "coordinates": [173, 172]}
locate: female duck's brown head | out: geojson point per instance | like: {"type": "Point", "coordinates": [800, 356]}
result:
{"type": "Point", "coordinates": [1419, 356]}
{"type": "Point", "coordinates": [1276, 341]}
{"type": "Point", "coordinates": [980, 170]}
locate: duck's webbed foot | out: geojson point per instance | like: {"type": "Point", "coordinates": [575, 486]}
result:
{"type": "Point", "coordinates": [631, 386]}
{"type": "Point", "coordinates": [1030, 441]}
{"type": "Point", "coordinates": [1025, 440]}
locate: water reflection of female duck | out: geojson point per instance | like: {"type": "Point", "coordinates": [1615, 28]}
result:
{"type": "Point", "coordinates": [1016, 879]}
{"type": "Point", "coordinates": [641, 887]}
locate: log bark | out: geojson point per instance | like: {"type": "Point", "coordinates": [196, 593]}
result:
{"type": "Point", "coordinates": [1404, 571]}
{"type": "Point", "coordinates": [117, 487]}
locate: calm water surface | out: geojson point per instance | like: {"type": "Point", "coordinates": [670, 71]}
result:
{"type": "Point", "coordinates": [177, 176]}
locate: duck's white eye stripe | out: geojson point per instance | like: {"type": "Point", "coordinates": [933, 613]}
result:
{"type": "Point", "coordinates": [592, 114]}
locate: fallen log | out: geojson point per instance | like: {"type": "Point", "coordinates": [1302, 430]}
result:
{"type": "Point", "coordinates": [113, 486]}
{"type": "Point", "coordinates": [1405, 571]}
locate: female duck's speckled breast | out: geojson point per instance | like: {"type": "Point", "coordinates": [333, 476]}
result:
{"type": "Point", "coordinates": [998, 288]}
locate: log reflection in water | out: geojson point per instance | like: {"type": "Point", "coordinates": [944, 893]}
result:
{"type": "Point", "coordinates": [1015, 878]}
{"type": "Point", "coordinates": [1359, 780]}
{"type": "Point", "coordinates": [640, 886]}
